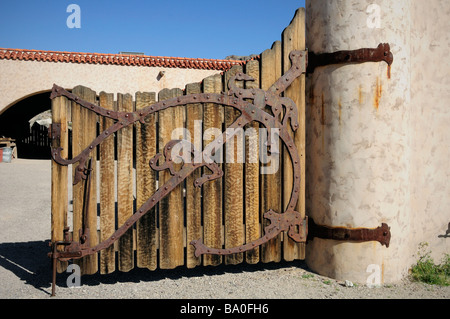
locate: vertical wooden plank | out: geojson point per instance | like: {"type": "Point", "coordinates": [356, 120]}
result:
{"type": "Point", "coordinates": [107, 187]}
{"type": "Point", "coordinates": [234, 179]}
{"type": "Point", "coordinates": [251, 171]}
{"type": "Point", "coordinates": [59, 196]}
{"type": "Point", "coordinates": [213, 116]}
{"type": "Point", "coordinates": [84, 128]}
{"type": "Point", "coordinates": [77, 189]}
{"type": "Point", "coordinates": [171, 208]}
{"type": "Point", "coordinates": [194, 120]}
{"type": "Point", "coordinates": [270, 183]}
{"type": "Point", "coordinates": [146, 142]}
{"type": "Point", "coordinates": [124, 184]}
{"type": "Point", "coordinates": [294, 39]}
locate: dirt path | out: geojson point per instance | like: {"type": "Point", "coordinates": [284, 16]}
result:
{"type": "Point", "coordinates": [25, 267]}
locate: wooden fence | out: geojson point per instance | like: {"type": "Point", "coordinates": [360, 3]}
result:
{"type": "Point", "coordinates": [226, 212]}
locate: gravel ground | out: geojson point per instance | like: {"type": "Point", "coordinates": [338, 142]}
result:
{"type": "Point", "coordinates": [25, 271]}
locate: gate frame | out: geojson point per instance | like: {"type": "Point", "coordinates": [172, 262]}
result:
{"type": "Point", "coordinates": [290, 221]}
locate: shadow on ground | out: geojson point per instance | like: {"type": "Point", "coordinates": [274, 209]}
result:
{"type": "Point", "coordinates": [29, 262]}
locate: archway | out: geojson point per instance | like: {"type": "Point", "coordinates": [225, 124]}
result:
{"type": "Point", "coordinates": [31, 138]}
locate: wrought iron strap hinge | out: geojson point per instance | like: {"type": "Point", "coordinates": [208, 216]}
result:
{"type": "Point", "coordinates": [381, 234]}
{"type": "Point", "coordinates": [379, 54]}
{"type": "Point", "coordinates": [289, 221]}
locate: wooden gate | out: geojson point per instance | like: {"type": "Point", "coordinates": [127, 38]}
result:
{"type": "Point", "coordinates": [230, 210]}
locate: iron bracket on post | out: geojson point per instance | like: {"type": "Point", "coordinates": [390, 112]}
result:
{"type": "Point", "coordinates": [382, 53]}
{"type": "Point", "coordinates": [381, 234]}
{"type": "Point", "coordinates": [379, 54]}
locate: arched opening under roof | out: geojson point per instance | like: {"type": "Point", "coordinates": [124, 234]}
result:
{"type": "Point", "coordinates": [26, 121]}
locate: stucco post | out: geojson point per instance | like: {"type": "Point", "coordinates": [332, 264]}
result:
{"type": "Point", "coordinates": [357, 123]}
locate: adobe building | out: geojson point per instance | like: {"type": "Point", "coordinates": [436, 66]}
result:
{"type": "Point", "coordinates": [28, 77]}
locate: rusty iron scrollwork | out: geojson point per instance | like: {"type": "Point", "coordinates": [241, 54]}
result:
{"type": "Point", "coordinates": [250, 102]}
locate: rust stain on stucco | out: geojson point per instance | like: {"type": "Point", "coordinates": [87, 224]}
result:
{"type": "Point", "coordinates": [378, 93]}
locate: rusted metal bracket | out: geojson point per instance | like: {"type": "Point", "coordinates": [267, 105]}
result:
{"type": "Point", "coordinates": [379, 54]}
{"type": "Point", "coordinates": [380, 234]}
{"type": "Point", "coordinates": [54, 131]}
{"type": "Point", "coordinates": [73, 249]}
{"type": "Point", "coordinates": [290, 221]}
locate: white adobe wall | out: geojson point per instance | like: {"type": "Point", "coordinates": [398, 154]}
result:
{"type": "Point", "coordinates": [25, 78]}
{"type": "Point", "coordinates": [430, 126]}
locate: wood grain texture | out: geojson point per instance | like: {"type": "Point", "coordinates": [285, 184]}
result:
{"type": "Point", "coordinates": [213, 117]}
{"type": "Point", "coordinates": [270, 183]}
{"type": "Point", "coordinates": [84, 130]}
{"type": "Point", "coordinates": [171, 207]}
{"type": "Point", "coordinates": [146, 143]}
{"type": "Point", "coordinates": [234, 179]}
{"type": "Point", "coordinates": [251, 173]}
{"type": "Point", "coordinates": [293, 38]}
{"type": "Point", "coordinates": [194, 125]}
{"type": "Point", "coordinates": [125, 185]}
{"type": "Point", "coordinates": [59, 186]}
{"type": "Point", "coordinates": [107, 189]}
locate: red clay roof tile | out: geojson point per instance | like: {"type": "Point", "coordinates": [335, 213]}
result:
{"type": "Point", "coordinates": [117, 59]}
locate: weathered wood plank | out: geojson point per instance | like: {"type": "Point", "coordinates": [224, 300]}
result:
{"type": "Point", "coordinates": [270, 183]}
{"type": "Point", "coordinates": [194, 119]}
{"type": "Point", "coordinates": [293, 38]}
{"type": "Point", "coordinates": [107, 189]}
{"type": "Point", "coordinates": [171, 207]}
{"type": "Point", "coordinates": [251, 171]}
{"type": "Point", "coordinates": [213, 117]}
{"type": "Point", "coordinates": [234, 179]}
{"type": "Point", "coordinates": [59, 195]}
{"type": "Point", "coordinates": [146, 142]}
{"type": "Point", "coordinates": [124, 184]}
{"type": "Point", "coordinates": [84, 131]}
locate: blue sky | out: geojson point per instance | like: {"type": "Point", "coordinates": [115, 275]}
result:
{"type": "Point", "coordinates": [194, 29]}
